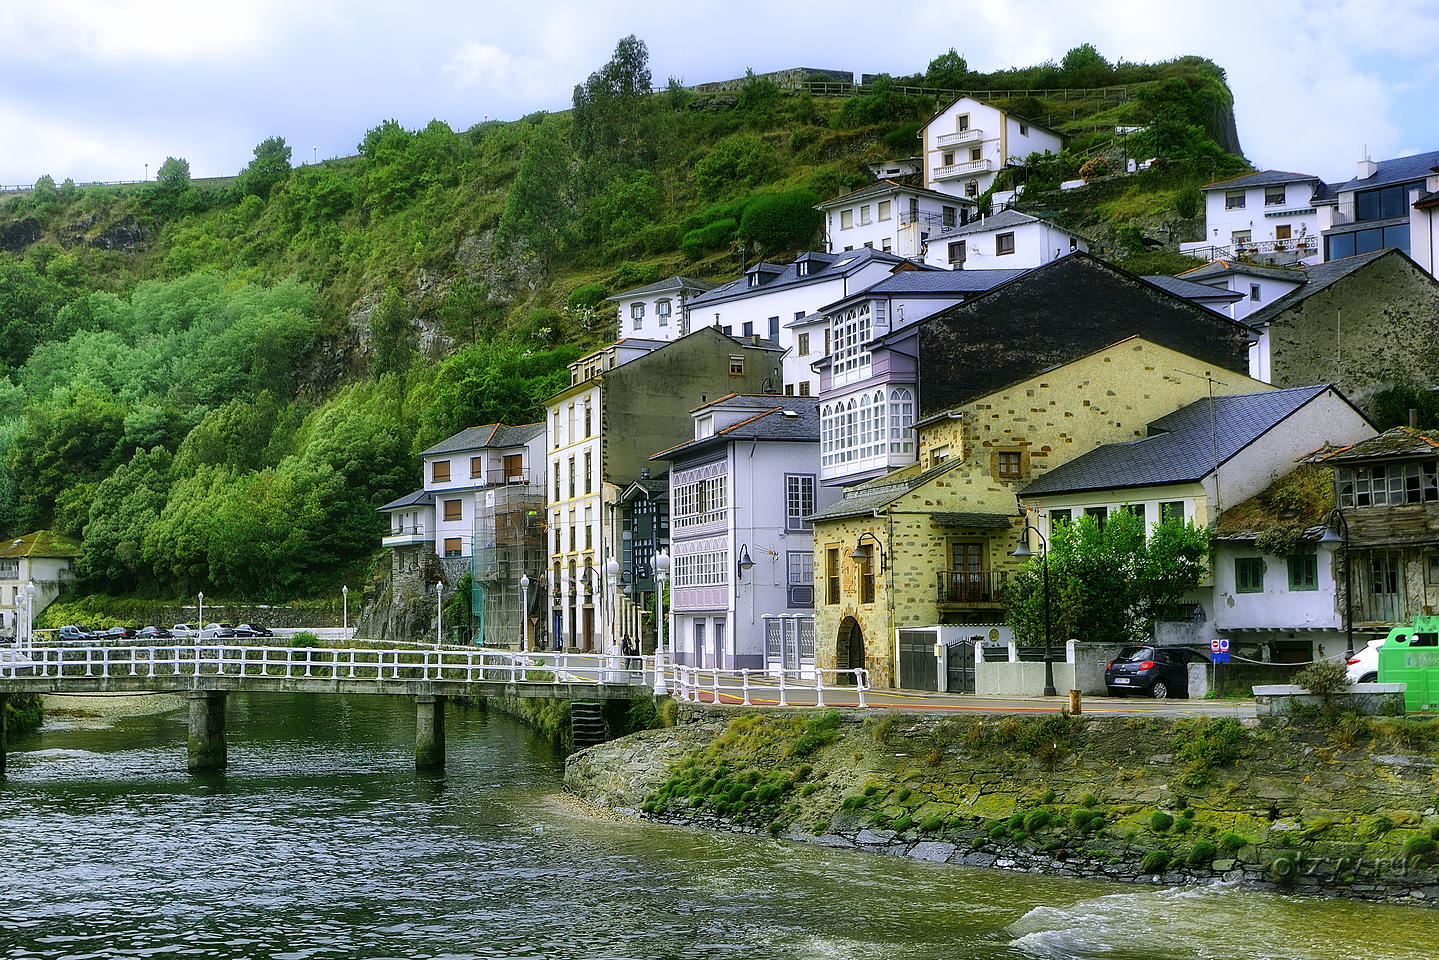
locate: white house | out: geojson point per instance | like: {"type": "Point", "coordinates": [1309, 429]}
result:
{"type": "Point", "coordinates": [655, 311]}
{"type": "Point", "coordinates": [1271, 215]}
{"type": "Point", "coordinates": [1008, 240]}
{"type": "Point", "coordinates": [968, 142]}
{"type": "Point", "coordinates": [44, 558]}
{"type": "Point", "coordinates": [887, 169]}
{"type": "Point", "coordinates": [1253, 287]}
{"type": "Point", "coordinates": [742, 586]}
{"type": "Point", "coordinates": [1375, 210]}
{"type": "Point", "coordinates": [892, 217]}
{"type": "Point", "coordinates": [1424, 232]}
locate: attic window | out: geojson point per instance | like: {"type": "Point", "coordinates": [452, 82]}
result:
{"type": "Point", "coordinates": [1024, 129]}
{"type": "Point", "coordinates": [789, 413]}
{"type": "Point", "coordinates": [754, 279]}
{"type": "Point", "coordinates": [802, 268]}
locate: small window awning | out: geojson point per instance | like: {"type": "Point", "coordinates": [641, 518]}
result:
{"type": "Point", "coordinates": [973, 521]}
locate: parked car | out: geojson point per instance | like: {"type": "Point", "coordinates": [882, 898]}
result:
{"type": "Point", "coordinates": [184, 630]}
{"type": "Point", "coordinates": [73, 632]}
{"type": "Point", "coordinates": [223, 629]}
{"type": "Point", "coordinates": [1363, 667]}
{"type": "Point", "coordinates": [247, 630]}
{"type": "Point", "coordinates": [154, 633]}
{"type": "Point", "coordinates": [1158, 672]}
{"type": "Point", "coordinates": [118, 633]}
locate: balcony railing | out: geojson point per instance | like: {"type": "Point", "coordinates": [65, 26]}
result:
{"type": "Point", "coordinates": [962, 169]}
{"type": "Point", "coordinates": [968, 587]}
{"type": "Point", "coordinates": [1272, 251]}
{"type": "Point", "coordinates": [963, 136]}
{"type": "Point", "coordinates": [499, 476]}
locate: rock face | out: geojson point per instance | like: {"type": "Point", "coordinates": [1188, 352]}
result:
{"type": "Point", "coordinates": [128, 234]}
{"type": "Point", "coordinates": [402, 606]}
{"type": "Point", "coordinates": [1291, 805]}
{"type": "Point", "coordinates": [16, 235]}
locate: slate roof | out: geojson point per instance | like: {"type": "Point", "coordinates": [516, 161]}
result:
{"type": "Point", "coordinates": [835, 265]}
{"type": "Point", "coordinates": [1223, 268]}
{"type": "Point", "coordinates": [415, 499]}
{"type": "Point", "coordinates": [864, 498]}
{"type": "Point", "coordinates": [1397, 442]}
{"type": "Point", "coordinates": [938, 282]}
{"type": "Point", "coordinates": [971, 521]}
{"type": "Point", "coordinates": [792, 419]}
{"type": "Point", "coordinates": [882, 187]}
{"type": "Point", "coordinates": [1260, 178]}
{"type": "Point", "coordinates": [1183, 446]}
{"type": "Point", "coordinates": [46, 544]}
{"type": "Point", "coordinates": [660, 286]}
{"type": "Point", "coordinates": [1190, 290]}
{"type": "Point", "coordinates": [1398, 170]}
{"type": "Point", "coordinates": [1428, 199]}
{"type": "Point", "coordinates": [1003, 220]}
{"type": "Point", "coordinates": [489, 435]}
{"type": "Point", "coordinates": [656, 485]}
{"type": "Point", "coordinates": [1319, 277]}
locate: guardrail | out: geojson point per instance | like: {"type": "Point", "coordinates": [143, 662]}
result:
{"type": "Point", "coordinates": [712, 685]}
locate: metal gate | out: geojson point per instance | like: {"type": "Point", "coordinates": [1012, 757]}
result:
{"type": "Point", "coordinates": [959, 657]}
{"type": "Point", "coordinates": [917, 667]}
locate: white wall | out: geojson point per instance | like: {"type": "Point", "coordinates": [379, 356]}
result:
{"type": "Point", "coordinates": [1277, 607]}
{"type": "Point", "coordinates": [651, 326]}
{"type": "Point", "coordinates": [1035, 244]}
{"type": "Point", "coordinates": [891, 233]}
{"type": "Point", "coordinates": [1000, 138]}
{"type": "Point", "coordinates": [1424, 238]}
{"type": "Point", "coordinates": [796, 365]}
{"type": "Point", "coordinates": [1221, 223]}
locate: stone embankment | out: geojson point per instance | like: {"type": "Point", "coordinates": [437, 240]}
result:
{"type": "Point", "coordinates": [1338, 806]}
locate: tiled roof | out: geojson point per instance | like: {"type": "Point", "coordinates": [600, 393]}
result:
{"type": "Point", "coordinates": [880, 492]}
{"type": "Point", "coordinates": [418, 498]}
{"type": "Point", "coordinates": [45, 544]}
{"type": "Point", "coordinates": [1398, 170]}
{"type": "Point", "coordinates": [1183, 447]}
{"type": "Point", "coordinates": [1397, 442]}
{"type": "Point", "coordinates": [793, 419]}
{"type": "Point", "coordinates": [489, 435]}
{"type": "Point", "coordinates": [660, 286]}
{"type": "Point", "coordinates": [882, 187]}
{"type": "Point", "coordinates": [972, 521]}
{"type": "Point", "coordinates": [1319, 277]}
{"type": "Point", "coordinates": [1000, 221]}
{"type": "Point", "coordinates": [1261, 178]}
{"type": "Point", "coordinates": [834, 265]}
{"type": "Point", "coordinates": [1190, 290]}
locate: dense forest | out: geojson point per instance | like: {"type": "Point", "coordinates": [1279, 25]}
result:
{"type": "Point", "coordinates": [213, 385]}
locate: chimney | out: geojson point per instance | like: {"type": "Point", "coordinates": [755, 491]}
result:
{"type": "Point", "coordinates": [1413, 418]}
{"type": "Point", "coordinates": [1367, 168]}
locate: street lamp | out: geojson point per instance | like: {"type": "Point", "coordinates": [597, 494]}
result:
{"type": "Point", "coordinates": [29, 614]}
{"type": "Point", "coordinates": [612, 582]}
{"type": "Point", "coordinates": [662, 574]}
{"type": "Point", "coordinates": [200, 627]}
{"type": "Point", "coordinates": [1336, 531]}
{"type": "Point", "coordinates": [524, 613]}
{"type": "Point", "coordinates": [345, 610]}
{"type": "Point", "coordinates": [439, 615]}
{"type": "Point", "coordinates": [1023, 552]}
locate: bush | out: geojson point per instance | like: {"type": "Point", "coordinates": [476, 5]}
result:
{"type": "Point", "coordinates": [1233, 842]}
{"type": "Point", "coordinates": [1037, 820]}
{"type": "Point", "coordinates": [931, 824]}
{"type": "Point", "coordinates": [1160, 821]}
{"type": "Point", "coordinates": [1188, 202]}
{"type": "Point", "coordinates": [1325, 679]}
{"type": "Point", "coordinates": [304, 638]}
{"type": "Point", "coordinates": [713, 236]}
{"type": "Point", "coordinates": [817, 732]}
{"type": "Point", "coordinates": [587, 296]}
{"type": "Point", "coordinates": [736, 163]}
{"type": "Point", "coordinates": [1422, 847]}
{"type": "Point", "coordinates": [1202, 852]}
{"type": "Point", "coordinates": [905, 140]}
{"type": "Point", "coordinates": [781, 221]}
{"type": "Point", "coordinates": [1155, 861]}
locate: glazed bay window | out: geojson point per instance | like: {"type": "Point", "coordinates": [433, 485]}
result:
{"type": "Point", "coordinates": [849, 331]}
{"type": "Point", "coordinates": [798, 500]}
{"type": "Point", "coordinates": [874, 425]}
{"type": "Point", "coordinates": [1389, 485]}
{"type": "Point", "coordinates": [1249, 575]}
{"type": "Point", "coordinates": [701, 569]}
{"type": "Point", "coordinates": [1303, 571]}
{"type": "Point", "coordinates": [700, 496]}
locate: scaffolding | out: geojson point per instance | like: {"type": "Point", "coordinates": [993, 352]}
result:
{"type": "Point", "coordinates": [508, 543]}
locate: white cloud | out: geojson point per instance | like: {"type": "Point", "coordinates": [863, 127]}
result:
{"type": "Point", "coordinates": [499, 72]}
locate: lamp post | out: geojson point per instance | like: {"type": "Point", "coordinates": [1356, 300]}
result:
{"type": "Point", "coordinates": [524, 613]}
{"type": "Point", "coordinates": [612, 583]}
{"type": "Point", "coordinates": [662, 574]}
{"type": "Point", "coordinates": [1336, 531]}
{"type": "Point", "coordinates": [345, 610]}
{"type": "Point", "coordinates": [29, 614]}
{"type": "Point", "coordinates": [200, 627]}
{"type": "Point", "coordinates": [439, 614]}
{"type": "Point", "coordinates": [1023, 552]}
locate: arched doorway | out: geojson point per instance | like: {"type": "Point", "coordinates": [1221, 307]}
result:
{"type": "Point", "coordinates": [849, 649]}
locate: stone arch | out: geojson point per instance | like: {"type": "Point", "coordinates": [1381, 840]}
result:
{"type": "Point", "coordinates": [849, 649]}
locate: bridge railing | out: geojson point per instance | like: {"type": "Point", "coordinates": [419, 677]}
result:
{"type": "Point", "coordinates": [766, 687]}
{"type": "Point", "coordinates": [110, 661]}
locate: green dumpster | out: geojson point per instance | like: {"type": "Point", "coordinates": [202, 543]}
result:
{"type": "Point", "coordinates": [1410, 655]}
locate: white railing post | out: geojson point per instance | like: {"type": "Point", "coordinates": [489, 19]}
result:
{"type": "Point", "coordinates": [715, 697]}
{"type": "Point", "coordinates": [745, 680]}
{"type": "Point", "coordinates": [818, 687]}
{"type": "Point", "coordinates": [352, 663]}
{"type": "Point", "coordinates": [783, 695]}
{"type": "Point", "coordinates": [308, 657]}
{"type": "Point", "coordinates": [289, 663]}
{"type": "Point", "coordinates": [88, 652]}
{"type": "Point", "coordinates": [861, 678]}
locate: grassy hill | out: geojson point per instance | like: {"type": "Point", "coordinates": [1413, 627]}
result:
{"type": "Point", "coordinates": [214, 384]}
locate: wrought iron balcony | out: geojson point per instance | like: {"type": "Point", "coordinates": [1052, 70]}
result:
{"type": "Point", "coordinates": [967, 588]}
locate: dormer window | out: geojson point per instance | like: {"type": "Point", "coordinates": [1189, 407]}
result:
{"type": "Point", "coordinates": [704, 427]}
{"type": "Point", "coordinates": [802, 268]}
{"type": "Point", "coordinates": [754, 279]}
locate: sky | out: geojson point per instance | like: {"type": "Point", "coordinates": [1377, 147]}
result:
{"type": "Point", "coordinates": [99, 90]}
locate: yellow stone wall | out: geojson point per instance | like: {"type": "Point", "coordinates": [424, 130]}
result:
{"type": "Point", "coordinates": [1107, 397]}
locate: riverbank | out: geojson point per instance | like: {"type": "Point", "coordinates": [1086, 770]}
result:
{"type": "Point", "coordinates": [1334, 806]}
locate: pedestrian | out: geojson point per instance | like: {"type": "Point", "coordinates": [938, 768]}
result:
{"type": "Point", "coordinates": [631, 652]}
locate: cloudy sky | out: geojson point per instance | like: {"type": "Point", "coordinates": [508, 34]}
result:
{"type": "Point", "coordinates": [97, 89]}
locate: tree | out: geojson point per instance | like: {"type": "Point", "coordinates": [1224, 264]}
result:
{"type": "Point", "coordinates": [608, 106]}
{"type": "Point", "coordinates": [535, 208]}
{"type": "Point", "coordinates": [1108, 582]}
{"type": "Point", "coordinates": [948, 71]}
{"type": "Point", "coordinates": [1084, 67]}
{"type": "Point", "coordinates": [392, 349]}
{"type": "Point", "coordinates": [781, 221]}
{"type": "Point", "coordinates": [270, 167]}
{"type": "Point", "coordinates": [173, 175]}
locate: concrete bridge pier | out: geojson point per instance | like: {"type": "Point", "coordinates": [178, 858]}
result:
{"type": "Point", "coordinates": [207, 730]}
{"type": "Point", "coordinates": [430, 732]}
{"type": "Point", "coordinates": [2, 736]}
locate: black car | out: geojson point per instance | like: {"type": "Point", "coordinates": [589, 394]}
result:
{"type": "Point", "coordinates": [117, 633]}
{"type": "Point", "coordinates": [1158, 672]}
{"type": "Point", "coordinates": [246, 630]}
{"type": "Point", "coordinates": [154, 633]}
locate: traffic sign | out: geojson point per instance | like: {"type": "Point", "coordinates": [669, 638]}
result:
{"type": "Point", "coordinates": [1214, 645]}
{"type": "Point", "coordinates": [1220, 656]}
{"type": "Point", "coordinates": [1223, 644]}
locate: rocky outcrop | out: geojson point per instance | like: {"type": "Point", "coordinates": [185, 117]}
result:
{"type": "Point", "coordinates": [128, 234]}
{"type": "Point", "coordinates": [16, 235]}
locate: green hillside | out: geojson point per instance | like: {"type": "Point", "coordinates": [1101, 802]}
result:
{"type": "Point", "coordinates": [214, 384]}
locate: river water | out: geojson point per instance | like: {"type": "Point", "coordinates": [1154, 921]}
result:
{"type": "Point", "coordinates": [321, 841]}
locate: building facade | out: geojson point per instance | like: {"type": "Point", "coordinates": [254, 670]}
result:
{"type": "Point", "coordinates": [656, 310]}
{"type": "Point", "coordinates": [44, 558]}
{"type": "Point", "coordinates": [892, 217]}
{"type": "Point", "coordinates": [968, 142]}
{"type": "Point", "coordinates": [1009, 240]}
{"type": "Point", "coordinates": [1374, 211]}
{"type": "Point", "coordinates": [1269, 216]}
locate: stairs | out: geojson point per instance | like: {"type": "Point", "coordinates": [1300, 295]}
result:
{"type": "Point", "coordinates": [587, 724]}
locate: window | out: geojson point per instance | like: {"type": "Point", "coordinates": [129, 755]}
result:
{"type": "Point", "coordinates": [1274, 196]}
{"type": "Point", "coordinates": [1283, 231]}
{"type": "Point", "coordinates": [556, 473]}
{"type": "Point", "coordinates": [846, 219]}
{"type": "Point", "coordinates": [947, 216]}
{"type": "Point", "coordinates": [975, 153]}
{"type": "Point", "coordinates": [572, 476]}
{"type": "Point", "coordinates": [1389, 485]}
{"type": "Point", "coordinates": [736, 366]}
{"type": "Point", "coordinates": [1172, 510]}
{"type": "Point", "coordinates": [774, 329]}
{"type": "Point", "coordinates": [804, 388]}
{"type": "Point", "coordinates": [589, 470]}
{"type": "Point", "coordinates": [1303, 571]}
{"type": "Point", "coordinates": [555, 428]}
{"type": "Point", "coordinates": [637, 314]}
{"type": "Point", "coordinates": [1240, 237]}
{"type": "Point", "coordinates": [1249, 575]}
{"type": "Point", "coordinates": [702, 569]}
{"type": "Point", "coordinates": [452, 546]}
{"type": "Point", "coordinates": [799, 578]}
{"type": "Point", "coordinates": [886, 244]}
{"type": "Point", "coordinates": [1384, 203]}
{"type": "Point", "coordinates": [948, 158]}
{"type": "Point", "coordinates": [662, 312]}
{"type": "Point", "coordinates": [1234, 200]}
{"type": "Point", "coordinates": [802, 344]}
{"type": "Point", "coordinates": [864, 568]}
{"type": "Point", "coordinates": [454, 510]}
{"type": "Point", "coordinates": [1431, 569]}
{"type": "Point", "coordinates": [789, 389]}
{"type": "Point", "coordinates": [831, 575]}
{"type": "Point", "coordinates": [1340, 245]}
{"type": "Point", "coordinates": [1003, 244]}
{"type": "Point", "coordinates": [1100, 515]}
{"type": "Point", "coordinates": [1024, 129]}
{"type": "Point", "coordinates": [1059, 518]}
{"type": "Point", "coordinates": [440, 471]}
{"type": "Point", "coordinates": [864, 214]}
{"type": "Point", "coordinates": [701, 496]}
{"type": "Point", "coordinates": [589, 418]}
{"type": "Point", "coordinates": [957, 252]}
{"type": "Point", "coordinates": [884, 209]}
{"type": "Point", "coordinates": [477, 467]}
{"type": "Point", "coordinates": [798, 501]}
{"type": "Point", "coordinates": [961, 123]}
{"type": "Point", "coordinates": [1254, 292]}
{"type": "Point", "coordinates": [748, 329]}
{"type": "Point", "coordinates": [1009, 463]}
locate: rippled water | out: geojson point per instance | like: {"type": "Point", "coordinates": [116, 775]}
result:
{"type": "Point", "coordinates": [321, 841]}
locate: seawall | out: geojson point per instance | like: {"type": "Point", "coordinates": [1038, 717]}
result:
{"type": "Point", "coordinates": [1337, 806]}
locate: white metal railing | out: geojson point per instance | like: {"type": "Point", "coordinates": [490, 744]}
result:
{"type": "Point", "coordinates": [962, 136]}
{"type": "Point", "coordinates": [766, 687]}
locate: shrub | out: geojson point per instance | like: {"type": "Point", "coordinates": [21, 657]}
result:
{"type": "Point", "coordinates": [1160, 821]}
{"type": "Point", "coordinates": [905, 140]}
{"type": "Point", "coordinates": [774, 828]}
{"type": "Point", "coordinates": [781, 221]}
{"type": "Point", "coordinates": [903, 795]}
{"type": "Point", "coordinates": [1422, 847]}
{"type": "Point", "coordinates": [1200, 853]}
{"type": "Point", "coordinates": [880, 730]}
{"type": "Point", "coordinates": [1089, 800]}
{"type": "Point", "coordinates": [1325, 679]}
{"type": "Point", "coordinates": [904, 822]}
{"type": "Point", "coordinates": [931, 824]}
{"type": "Point", "coordinates": [1205, 743]}
{"type": "Point", "coordinates": [1378, 826]}
{"type": "Point", "coordinates": [1094, 167]}
{"type": "Point", "coordinates": [587, 296]}
{"type": "Point", "coordinates": [1233, 842]}
{"type": "Point", "coordinates": [1155, 861]}
{"type": "Point", "coordinates": [1037, 820]}
{"type": "Point", "coordinates": [304, 638]}
{"type": "Point", "coordinates": [1188, 202]}
{"type": "Point", "coordinates": [713, 236]}
{"type": "Point", "coordinates": [737, 162]}
{"type": "Point", "coordinates": [1183, 825]}
{"type": "Point", "coordinates": [818, 731]}
{"type": "Point", "coordinates": [1086, 820]}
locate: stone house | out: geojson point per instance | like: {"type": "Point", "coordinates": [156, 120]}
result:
{"type": "Point", "coordinates": [44, 558]}
{"type": "Point", "coordinates": [930, 544]}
